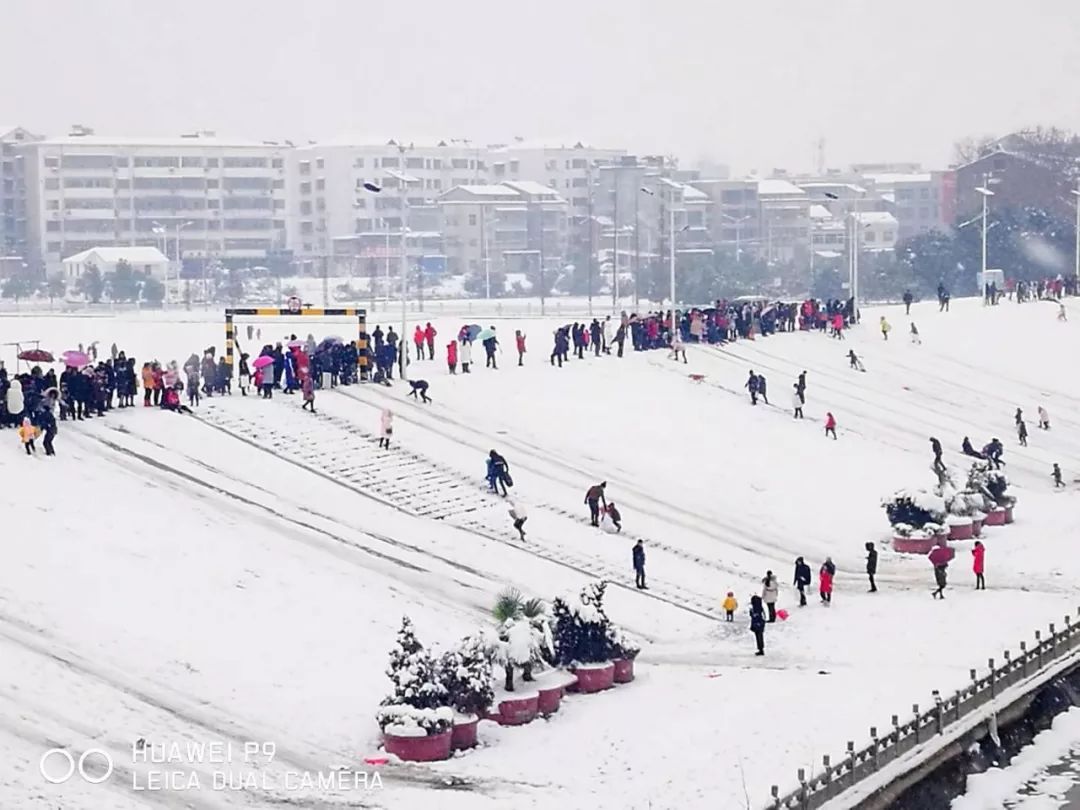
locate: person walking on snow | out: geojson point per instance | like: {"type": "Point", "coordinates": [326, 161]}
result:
{"type": "Point", "coordinates": [825, 581]}
{"type": "Point", "coordinates": [386, 428]}
{"type": "Point", "coordinates": [1057, 476]}
{"type": "Point", "coordinates": [677, 348]}
{"type": "Point", "coordinates": [519, 339]}
{"type": "Point", "coordinates": [418, 339]}
{"type": "Point", "coordinates": [517, 514]}
{"type": "Point", "coordinates": [498, 472]}
{"type": "Point", "coordinates": [429, 338]}
{"type": "Point", "coordinates": [307, 388]}
{"type": "Point", "coordinates": [752, 387]}
{"type": "Point", "coordinates": [801, 386]}
{"type": "Point", "coordinates": [940, 579]}
{"type": "Point", "coordinates": [802, 579]}
{"type": "Point", "coordinates": [27, 434]}
{"type": "Point", "coordinates": [855, 362]}
{"type": "Point", "coordinates": [1018, 417]}
{"type": "Point", "coordinates": [490, 345]}
{"type": "Point", "coordinates": [886, 327]}
{"type": "Point", "coordinates": [594, 497]}
{"type": "Point", "coordinates": [465, 355]}
{"type": "Point", "coordinates": [639, 566]}
{"type": "Point", "coordinates": [979, 565]}
{"type": "Point", "coordinates": [871, 565]}
{"type": "Point", "coordinates": [770, 592]}
{"type": "Point", "coordinates": [935, 445]}
{"type": "Point", "coordinates": [915, 334]}
{"type": "Point", "coordinates": [1022, 434]}
{"type": "Point", "coordinates": [762, 388]}
{"type": "Point", "coordinates": [607, 335]}
{"type": "Point", "coordinates": [451, 356]}
{"type": "Point", "coordinates": [757, 623]}
{"type": "Point", "coordinates": [1044, 418]}
{"type": "Point", "coordinates": [908, 298]}
{"type": "Point", "coordinates": [830, 425]}
{"type": "Point", "coordinates": [797, 402]}
{"type": "Point", "coordinates": [730, 605]}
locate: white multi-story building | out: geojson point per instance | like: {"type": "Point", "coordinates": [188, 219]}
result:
{"type": "Point", "coordinates": [200, 197]}
{"type": "Point", "coordinates": [13, 191]}
{"type": "Point", "coordinates": [330, 210]}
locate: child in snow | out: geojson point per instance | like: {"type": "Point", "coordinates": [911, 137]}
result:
{"type": "Point", "coordinates": [1057, 476]}
{"type": "Point", "coordinates": [825, 581]}
{"type": "Point", "coordinates": [830, 425]}
{"type": "Point", "coordinates": [419, 387]}
{"type": "Point", "coordinates": [386, 428]}
{"type": "Point", "coordinates": [27, 434]}
{"type": "Point", "coordinates": [886, 327]}
{"type": "Point", "coordinates": [517, 514]}
{"type": "Point", "coordinates": [1022, 434]}
{"type": "Point", "coordinates": [677, 347]}
{"type": "Point", "coordinates": [731, 604]}
{"type": "Point", "coordinates": [465, 355]}
{"type": "Point", "coordinates": [757, 623]}
{"type": "Point", "coordinates": [797, 402]}
{"type": "Point", "coordinates": [611, 521]}
{"type": "Point", "coordinates": [307, 387]}
{"type": "Point", "coordinates": [856, 363]}
{"type": "Point", "coordinates": [245, 374]}
{"type": "Point", "coordinates": [1044, 418]}
{"type": "Point", "coordinates": [519, 339]}
{"type": "Point", "coordinates": [979, 554]}
{"type": "Point", "coordinates": [451, 356]}
{"type": "Point", "coordinates": [915, 334]}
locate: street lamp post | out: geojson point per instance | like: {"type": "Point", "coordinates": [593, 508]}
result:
{"type": "Point", "coordinates": [159, 230]}
{"type": "Point", "coordinates": [1076, 193]}
{"type": "Point", "coordinates": [671, 248]}
{"type": "Point", "coordinates": [986, 194]}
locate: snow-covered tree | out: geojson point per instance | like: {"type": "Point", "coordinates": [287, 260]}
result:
{"type": "Point", "coordinates": [466, 672]}
{"type": "Point", "coordinates": [524, 634]}
{"type": "Point", "coordinates": [413, 673]}
{"type": "Point", "coordinates": [583, 634]}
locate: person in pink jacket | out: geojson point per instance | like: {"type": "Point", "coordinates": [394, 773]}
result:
{"type": "Point", "coordinates": [978, 565]}
{"type": "Point", "coordinates": [386, 428]}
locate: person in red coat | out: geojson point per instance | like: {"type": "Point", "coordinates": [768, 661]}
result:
{"type": "Point", "coordinates": [825, 580]}
{"type": "Point", "coordinates": [451, 356]}
{"type": "Point", "coordinates": [830, 425]}
{"type": "Point", "coordinates": [979, 555]}
{"type": "Point", "coordinates": [418, 339]}
{"type": "Point", "coordinates": [520, 338]}
{"type": "Point", "coordinates": [429, 336]}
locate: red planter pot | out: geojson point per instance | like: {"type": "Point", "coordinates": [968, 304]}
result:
{"type": "Point", "coordinates": [965, 532]}
{"type": "Point", "coordinates": [595, 677]}
{"type": "Point", "coordinates": [419, 749]}
{"type": "Point", "coordinates": [549, 700]}
{"type": "Point", "coordinates": [463, 734]}
{"type": "Point", "coordinates": [996, 517]}
{"type": "Point", "coordinates": [914, 545]}
{"type": "Point", "coordinates": [1008, 514]}
{"type": "Point", "coordinates": [624, 670]}
{"type": "Point", "coordinates": [519, 710]}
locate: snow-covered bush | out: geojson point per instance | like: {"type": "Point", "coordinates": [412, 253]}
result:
{"type": "Point", "coordinates": [915, 513]}
{"type": "Point", "coordinates": [622, 646]}
{"type": "Point", "coordinates": [466, 672]}
{"type": "Point", "coordinates": [583, 633]}
{"type": "Point", "coordinates": [991, 484]}
{"type": "Point", "coordinates": [414, 675]}
{"type": "Point", "coordinates": [524, 634]}
{"type": "Point", "coordinates": [409, 721]}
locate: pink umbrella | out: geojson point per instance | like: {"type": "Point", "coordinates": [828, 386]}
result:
{"type": "Point", "coordinates": [941, 555]}
{"type": "Point", "coordinates": [263, 362]}
{"type": "Point", "coordinates": [75, 359]}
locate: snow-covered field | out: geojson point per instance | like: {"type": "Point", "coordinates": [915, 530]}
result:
{"type": "Point", "coordinates": [240, 577]}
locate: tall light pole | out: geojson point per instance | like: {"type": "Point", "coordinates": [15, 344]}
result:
{"type": "Point", "coordinates": [180, 263]}
{"type": "Point", "coordinates": [1076, 192]}
{"type": "Point", "coordinates": [986, 194]}
{"type": "Point", "coordinates": [671, 248]}
{"type": "Point", "coordinates": [160, 230]}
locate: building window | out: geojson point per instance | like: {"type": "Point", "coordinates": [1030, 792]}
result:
{"type": "Point", "coordinates": [358, 163]}
{"type": "Point", "coordinates": [211, 163]}
{"type": "Point", "coordinates": [361, 202]}
{"type": "Point", "coordinates": [871, 236]}
{"type": "Point", "coordinates": [191, 162]}
{"type": "Point", "coordinates": [887, 236]}
{"type": "Point", "coordinates": [278, 184]}
{"type": "Point", "coordinates": [414, 163]}
{"type": "Point", "coordinates": [320, 184]}
{"type": "Point", "coordinates": [52, 163]}
{"type": "Point", "coordinates": [318, 163]}
{"type": "Point", "coordinates": [459, 163]}
{"type": "Point", "coordinates": [472, 219]}
{"type": "Point", "coordinates": [305, 208]}
{"type": "Point", "coordinates": [278, 163]}
{"type": "Point", "coordinates": [305, 167]}
{"type": "Point", "coordinates": [52, 183]}
{"type": "Point", "coordinates": [305, 188]}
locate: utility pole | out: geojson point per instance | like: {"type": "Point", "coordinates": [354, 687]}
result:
{"type": "Point", "coordinates": [637, 249]}
{"type": "Point", "coordinates": [542, 288]}
{"type": "Point", "coordinates": [615, 243]}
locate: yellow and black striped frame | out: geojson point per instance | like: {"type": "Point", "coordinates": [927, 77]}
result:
{"type": "Point", "coordinates": [316, 312]}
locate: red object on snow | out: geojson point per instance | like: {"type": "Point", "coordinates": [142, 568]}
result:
{"type": "Point", "coordinates": [782, 615]}
{"type": "Point", "coordinates": [376, 760]}
{"type": "Point", "coordinates": [697, 377]}
{"type": "Point", "coordinates": [595, 678]}
{"type": "Point", "coordinates": [431, 748]}
{"type": "Point", "coordinates": [463, 734]}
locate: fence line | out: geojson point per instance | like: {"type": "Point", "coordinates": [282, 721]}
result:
{"type": "Point", "coordinates": [857, 765]}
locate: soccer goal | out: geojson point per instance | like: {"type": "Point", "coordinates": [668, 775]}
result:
{"type": "Point", "coordinates": [296, 309]}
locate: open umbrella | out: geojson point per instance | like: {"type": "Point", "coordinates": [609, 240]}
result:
{"type": "Point", "coordinates": [472, 330]}
{"type": "Point", "coordinates": [941, 555]}
{"type": "Point", "coordinates": [263, 362]}
{"type": "Point", "coordinates": [75, 359]}
{"type": "Point", "coordinates": [36, 356]}
{"type": "Point", "coordinates": [295, 344]}
{"type": "Point", "coordinates": [485, 334]}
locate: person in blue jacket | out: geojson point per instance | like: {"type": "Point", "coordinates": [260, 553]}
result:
{"type": "Point", "coordinates": [757, 623]}
{"type": "Point", "coordinates": [498, 472]}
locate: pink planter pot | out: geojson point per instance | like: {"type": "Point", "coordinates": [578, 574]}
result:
{"type": "Point", "coordinates": [1008, 514]}
{"type": "Point", "coordinates": [624, 670]}
{"type": "Point", "coordinates": [419, 749]}
{"type": "Point", "coordinates": [965, 532]}
{"type": "Point", "coordinates": [549, 701]}
{"type": "Point", "coordinates": [912, 545]}
{"type": "Point", "coordinates": [995, 518]}
{"type": "Point", "coordinates": [463, 734]}
{"type": "Point", "coordinates": [595, 677]}
{"type": "Point", "coordinates": [519, 711]}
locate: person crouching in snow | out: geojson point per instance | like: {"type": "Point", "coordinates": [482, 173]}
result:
{"type": "Point", "coordinates": [757, 623]}
{"type": "Point", "coordinates": [171, 400]}
{"type": "Point", "coordinates": [386, 428]}
{"type": "Point", "coordinates": [1044, 418]}
{"type": "Point", "coordinates": [419, 387]}
{"type": "Point", "coordinates": [612, 519]}
{"type": "Point", "coordinates": [307, 387]}
{"type": "Point", "coordinates": [825, 581]}
{"type": "Point", "coordinates": [730, 605]}
{"type": "Point", "coordinates": [517, 514]}
{"type": "Point", "coordinates": [27, 434]}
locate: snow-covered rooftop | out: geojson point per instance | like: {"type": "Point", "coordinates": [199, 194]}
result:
{"type": "Point", "coordinates": [193, 142]}
{"type": "Point", "coordinates": [896, 179]}
{"type": "Point", "coordinates": [776, 187]}
{"type": "Point", "coordinates": [134, 254]}
{"type": "Point", "coordinates": [532, 187]}
{"type": "Point", "coordinates": [820, 212]}
{"type": "Point", "coordinates": [875, 218]}
{"type": "Point", "coordinates": [553, 144]}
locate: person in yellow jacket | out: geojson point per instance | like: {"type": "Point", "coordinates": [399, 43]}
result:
{"type": "Point", "coordinates": [885, 328]}
{"type": "Point", "coordinates": [27, 434]}
{"type": "Point", "coordinates": [730, 606]}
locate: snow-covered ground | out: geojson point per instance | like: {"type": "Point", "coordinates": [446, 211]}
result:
{"type": "Point", "coordinates": [241, 576]}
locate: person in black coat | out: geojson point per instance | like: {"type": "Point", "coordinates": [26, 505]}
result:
{"type": "Point", "coordinates": [935, 445]}
{"type": "Point", "coordinates": [639, 566]}
{"type": "Point", "coordinates": [802, 579]}
{"type": "Point", "coordinates": [757, 623]}
{"type": "Point", "coordinates": [871, 565]}
{"type": "Point", "coordinates": [908, 298]}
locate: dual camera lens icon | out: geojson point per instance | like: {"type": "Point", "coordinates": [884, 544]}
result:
{"type": "Point", "coordinates": [58, 766]}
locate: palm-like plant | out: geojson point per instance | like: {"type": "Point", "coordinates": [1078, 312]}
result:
{"type": "Point", "coordinates": [512, 610]}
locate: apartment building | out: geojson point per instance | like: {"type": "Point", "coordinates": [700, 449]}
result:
{"type": "Point", "coordinates": [13, 222]}
{"type": "Point", "coordinates": [914, 198]}
{"type": "Point", "coordinates": [329, 204]}
{"type": "Point", "coordinates": [507, 227]}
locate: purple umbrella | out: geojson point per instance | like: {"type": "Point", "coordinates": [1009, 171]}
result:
{"type": "Point", "coordinates": [262, 362]}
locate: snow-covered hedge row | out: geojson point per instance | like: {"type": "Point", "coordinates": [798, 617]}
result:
{"type": "Point", "coordinates": [408, 721]}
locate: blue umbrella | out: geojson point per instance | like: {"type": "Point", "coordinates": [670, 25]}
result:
{"type": "Point", "coordinates": [472, 330]}
{"type": "Point", "coordinates": [485, 334]}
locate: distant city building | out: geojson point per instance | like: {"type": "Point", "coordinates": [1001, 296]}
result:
{"type": "Point", "coordinates": [1017, 181]}
{"type": "Point", "coordinates": [146, 261]}
{"type": "Point", "coordinates": [13, 214]}
{"type": "Point", "coordinates": [198, 197]}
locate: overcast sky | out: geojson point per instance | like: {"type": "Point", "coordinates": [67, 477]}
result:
{"type": "Point", "coordinates": [754, 83]}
